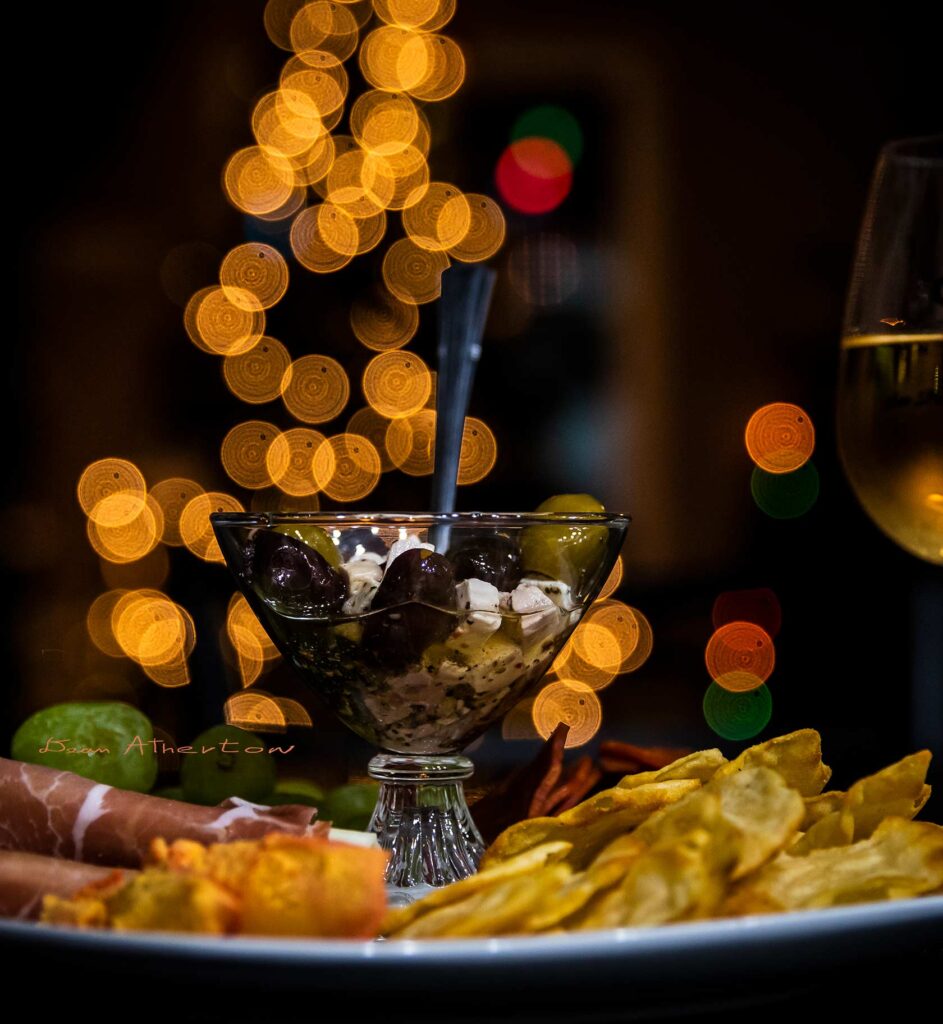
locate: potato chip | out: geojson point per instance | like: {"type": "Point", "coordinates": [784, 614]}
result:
{"type": "Point", "coordinates": [531, 860]}
{"type": "Point", "coordinates": [899, 790]}
{"type": "Point", "coordinates": [819, 807]}
{"type": "Point", "coordinates": [700, 764]}
{"type": "Point", "coordinates": [590, 825]}
{"type": "Point", "coordinates": [901, 859]}
{"type": "Point", "coordinates": [678, 880]}
{"type": "Point", "coordinates": [832, 830]}
{"type": "Point", "coordinates": [797, 756]}
{"type": "Point", "coordinates": [580, 889]}
{"type": "Point", "coordinates": [751, 814]}
{"type": "Point", "coordinates": [494, 910]}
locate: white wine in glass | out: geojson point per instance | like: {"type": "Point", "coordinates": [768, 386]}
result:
{"type": "Point", "coordinates": [890, 397]}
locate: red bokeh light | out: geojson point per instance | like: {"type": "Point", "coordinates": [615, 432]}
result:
{"type": "Point", "coordinates": [534, 175]}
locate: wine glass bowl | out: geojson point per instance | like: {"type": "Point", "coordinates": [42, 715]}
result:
{"type": "Point", "coordinates": [890, 396]}
{"type": "Point", "coordinates": [419, 631]}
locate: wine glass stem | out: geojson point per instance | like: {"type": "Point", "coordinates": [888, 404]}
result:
{"type": "Point", "coordinates": [422, 819]}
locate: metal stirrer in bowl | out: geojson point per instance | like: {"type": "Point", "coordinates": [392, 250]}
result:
{"type": "Point", "coordinates": [463, 310]}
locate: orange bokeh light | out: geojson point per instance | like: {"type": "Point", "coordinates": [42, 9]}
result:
{"type": "Point", "coordinates": [485, 233]}
{"type": "Point", "coordinates": [293, 712]}
{"type": "Point", "coordinates": [394, 59]}
{"type": "Point", "coordinates": [571, 702]}
{"type": "Point", "coordinates": [195, 527]}
{"type": "Point", "coordinates": [259, 182]}
{"type": "Point", "coordinates": [254, 270]}
{"type": "Point", "coordinates": [248, 650]}
{"type": "Point", "coordinates": [240, 615]}
{"type": "Point", "coordinates": [326, 26]}
{"type": "Point", "coordinates": [98, 623]}
{"type": "Point", "coordinates": [614, 637]}
{"type": "Point", "coordinates": [224, 327]}
{"type": "Point", "coordinates": [310, 247]}
{"type": "Point", "coordinates": [105, 479]}
{"type": "Point", "coordinates": [370, 232]}
{"type": "Point", "coordinates": [132, 538]}
{"type": "Point", "coordinates": [780, 437]}
{"type": "Point", "coordinates": [440, 219]}
{"type": "Point", "coordinates": [410, 173]}
{"type": "Point", "coordinates": [315, 389]}
{"type": "Point", "coordinates": [370, 424]}
{"type": "Point", "coordinates": [737, 649]}
{"type": "Point", "coordinates": [173, 495]}
{"type": "Point", "coordinates": [243, 453]}
{"type": "Point", "coordinates": [384, 123]}
{"type": "Point", "coordinates": [360, 182]}
{"type": "Point", "coordinates": [613, 581]}
{"type": "Point", "coordinates": [410, 442]}
{"type": "Point", "coordinates": [413, 274]}
{"type": "Point", "coordinates": [569, 665]}
{"type": "Point", "coordinates": [151, 629]}
{"type": "Point", "coordinates": [428, 15]}
{"type": "Point", "coordinates": [290, 461]}
{"type": "Point", "coordinates": [396, 383]}
{"type": "Point", "coordinates": [346, 467]}
{"type": "Point", "coordinates": [254, 710]}
{"type": "Point", "coordinates": [479, 451]}
{"type": "Point", "coordinates": [256, 376]}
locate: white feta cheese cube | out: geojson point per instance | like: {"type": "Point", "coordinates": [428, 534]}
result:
{"type": "Point", "coordinates": [477, 595]}
{"type": "Point", "coordinates": [363, 578]}
{"type": "Point", "coordinates": [558, 591]}
{"type": "Point", "coordinates": [526, 598]}
{"type": "Point", "coordinates": [539, 616]}
{"type": "Point", "coordinates": [474, 629]}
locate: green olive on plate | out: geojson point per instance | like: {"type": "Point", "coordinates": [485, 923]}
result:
{"type": "Point", "coordinates": [235, 763]}
{"type": "Point", "coordinates": [108, 741]}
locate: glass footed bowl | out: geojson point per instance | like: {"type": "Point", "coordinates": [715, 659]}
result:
{"type": "Point", "coordinates": [419, 631]}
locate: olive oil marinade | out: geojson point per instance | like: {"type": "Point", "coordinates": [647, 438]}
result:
{"type": "Point", "coordinates": [890, 423]}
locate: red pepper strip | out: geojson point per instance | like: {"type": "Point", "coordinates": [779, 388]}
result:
{"type": "Point", "coordinates": [649, 757]}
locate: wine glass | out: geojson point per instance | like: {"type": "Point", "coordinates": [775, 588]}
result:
{"type": "Point", "coordinates": [890, 398]}
{"type": "Point", "coordinates": [419, 631]}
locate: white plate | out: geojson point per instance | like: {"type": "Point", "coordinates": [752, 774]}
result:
{"type": "Point", "coordinates": [643, 960]}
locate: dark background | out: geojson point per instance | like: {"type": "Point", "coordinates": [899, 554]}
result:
{"type": "Point", "coordinates": [727, 155]}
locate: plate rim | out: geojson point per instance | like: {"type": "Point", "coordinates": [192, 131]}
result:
{"type": "Point", "coordinates": [604, 943]}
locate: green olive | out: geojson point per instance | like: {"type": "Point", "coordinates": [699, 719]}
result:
{"type": "Point", "coordinates": [297, 791]}
{"type": "Point", "coordinates": [227, 761]}
{"type": "Point", "coordinates": [108, 741]}
{"type": "Point", "coordinates": [350, 806]}
{"type": "Point", "coordinates": [315, 538]}
{"type": "Point", "coordinates": [569, 551]}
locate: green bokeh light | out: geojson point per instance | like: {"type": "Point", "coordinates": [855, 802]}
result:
{"type": "Point", "coordinates": [551, 122]}
{"type": "Point", "coordinates": [785, 495]}
{"type": "Point", "coordinates": [737, 716]}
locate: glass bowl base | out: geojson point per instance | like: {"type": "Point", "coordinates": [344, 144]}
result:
{"type": "Point", "coordinates": [422, 820]}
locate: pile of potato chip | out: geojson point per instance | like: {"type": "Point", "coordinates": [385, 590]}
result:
{"type": "Point", "coordinates": [702, 837]}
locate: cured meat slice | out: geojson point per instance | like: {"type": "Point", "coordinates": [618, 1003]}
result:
{"type": "Point", "coordinates": [26, 877]}
{"type": "Point", "coordinates": [43, 810]}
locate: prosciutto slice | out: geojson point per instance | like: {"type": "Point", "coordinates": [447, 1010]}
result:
{"type": "Point", "coordinates": [26, 877]}
{"type": "Point", "coordinates": [62, 814]}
